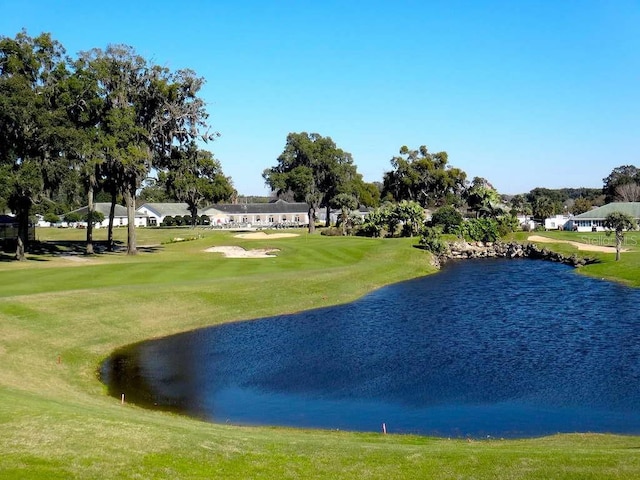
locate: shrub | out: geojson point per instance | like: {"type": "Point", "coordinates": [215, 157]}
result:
{"type": "Point", "coordinates": [431, 239]}
{"type": "Point", "coordinates": [507, 224]}
{"type": "Point", "coordinates": [481, 229]}
{"type": "Point", "coordinates": [51, 217]}
{"type": "Point", "coordinates": [73, 217]}
{"type": "Point", "coordinates": [168, 221]}
{"type": "Point", "coordinates": [96, 217]}
{"type": "Point", "coordinates": [448, 217]}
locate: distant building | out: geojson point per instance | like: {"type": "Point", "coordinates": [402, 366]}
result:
{"type": "Point", "coordinates": [558, 222]}
{"type": "Point", "coordinates": [120, 218]}
{"type": "Point", "coordinates": [593, 220]}
{"type": "Point", "coordinates": [277, 213]}
{"type": "Point", "coordinates": [157, 212]}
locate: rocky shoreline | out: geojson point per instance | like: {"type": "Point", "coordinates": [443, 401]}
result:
{"type": "Point", "coordinates": [463, 250]}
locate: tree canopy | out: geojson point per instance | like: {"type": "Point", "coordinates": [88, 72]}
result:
{"type": "Point", "coordinates": [314, 170]}
{"type": "Point", "coordinates": [423, 177]}
{"type": "Point", "coordinates": [617, 179]}
{"type": "Point", "coordinates": [193, 176]}
{"type": "Point", "coordinates": [618, 222]}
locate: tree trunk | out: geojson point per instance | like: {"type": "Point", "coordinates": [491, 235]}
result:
{"type": "Point", "coordinates": [90, 207]}
{"type": "Point", "coordinates": [22, 213]}
{"type": "Point", "coordinates": [130, 202]}
{"type": "Point", "coordinates": [193, 210]}
{"type": "Point", "coordinates": [327, 222]}
{"type": "Point", "coordinates": [344, 222]}
{"type": "Point", "coordinates": [112, 213]}
{"type": "Point", "coordinates": [312, 223]}
{"type": "Point", "coordinates": [618, 244]}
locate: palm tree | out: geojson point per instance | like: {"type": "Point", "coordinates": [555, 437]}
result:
{"type": "Point", "coordinates": [618, 222]}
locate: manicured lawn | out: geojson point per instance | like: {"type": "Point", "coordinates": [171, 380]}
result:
{"type": "Point", "coordinates": [60, 315]}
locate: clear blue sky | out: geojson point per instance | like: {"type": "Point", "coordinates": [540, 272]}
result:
{"type": "Point", "coordinates": [523, 93]}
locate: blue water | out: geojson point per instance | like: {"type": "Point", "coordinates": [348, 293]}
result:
{"type": "Point", "coordinates": [500, 348]}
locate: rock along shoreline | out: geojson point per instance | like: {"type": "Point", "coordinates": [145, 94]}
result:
{"type": "Point", "coordinates": [459, 250]}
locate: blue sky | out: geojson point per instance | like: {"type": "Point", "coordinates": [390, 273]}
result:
{"type": "Point", "coordinates": [524, 93]}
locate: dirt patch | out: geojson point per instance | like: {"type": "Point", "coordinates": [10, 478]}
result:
{"type": "Point", "coordinates": [263, 235]}
{"type": "Point", "coordinates": [587, 247]}
{"type": "Point", "coordinates": [239, 252]}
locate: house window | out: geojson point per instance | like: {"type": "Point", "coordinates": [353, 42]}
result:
{"type": "Point", "coordinates": [245, 220]}
{"type": "Point", "coordinates": [271, 219]}
{"type": "Point", "coordinates": [284, 218]}
{"type": "Point", "coordinates": [258, 219]}
{"type": "Point", "coordinates": [297, 218]}
{"type": "Point", "coordinates": [152, 221]}
{"type": "Point", "coordinates": [231, 219]}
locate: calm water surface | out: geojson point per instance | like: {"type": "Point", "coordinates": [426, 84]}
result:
{"type": "Point", "coordinates": [505, 348]}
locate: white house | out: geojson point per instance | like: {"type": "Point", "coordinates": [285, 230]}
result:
{"type": "Point", "coordinates": [120, 218]}
{"type": "Point", "coordinates": [156, 212]}
{"type": "Point", "coordinates": [593, 220]}
{"type": "Point", "coordinates": [557, 222]}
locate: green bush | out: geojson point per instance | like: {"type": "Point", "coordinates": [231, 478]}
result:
{"type": "Point", "coordinates": [448, 217]}
{"type": "Point", "coordinates": [73, 217]}
{"type": "Point", "coordinates": [168, 221]}
{"type": "Point", "coordinates": [481, 229]}
{"type": "Point", "coordinates": [51, 217]}
{"type": "Point", "coordinates": [431, 239]}
{"type": "Point", "coordinates": [97, 217]}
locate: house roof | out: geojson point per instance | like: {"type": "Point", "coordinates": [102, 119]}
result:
{"type": "Point", "coordinates": [258, 208]}
{"type": "Point", "coordinates": [105, 208]}
{"type": "Point", "coordinates": [167, 209]}
{"type": "Point", "coordinates": [630, 208]}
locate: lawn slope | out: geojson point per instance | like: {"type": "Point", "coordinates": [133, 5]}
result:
{"type": "Point", "coordinates": [60, 316]}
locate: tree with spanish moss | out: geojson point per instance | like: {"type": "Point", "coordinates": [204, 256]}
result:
{"type": "Point", "coordinates": [33, 124]}
{"type": "Point", "coordinates": [148, 111]}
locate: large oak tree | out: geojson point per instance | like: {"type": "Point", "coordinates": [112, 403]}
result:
{"type": "Point", "coordinates": [315, 170]}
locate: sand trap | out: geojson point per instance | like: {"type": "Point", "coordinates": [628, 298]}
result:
{"type": "Point", "coordinates": [239, 252]}
{"type": "Point", "coordinates": [263, 235]}
{"type": "Point", "coordinates": [580, 246]}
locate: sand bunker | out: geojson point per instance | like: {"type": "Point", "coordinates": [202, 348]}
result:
{"type": "Point", "coordinates": [588, 247]}
{"type": "Point", "coordinates": [263, 235]}
{"type": "Point", "coordinates": [239, 252]}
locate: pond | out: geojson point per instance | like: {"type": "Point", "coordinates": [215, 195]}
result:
{"type": "Point", "coordinates": [500, 348]}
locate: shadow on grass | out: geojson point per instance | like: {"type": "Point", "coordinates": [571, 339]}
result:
{"type": "Point", "coordinates": [40, 251]}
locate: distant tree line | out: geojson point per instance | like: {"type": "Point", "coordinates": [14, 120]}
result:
{"type": "Point", "coordinates": [109, 125]}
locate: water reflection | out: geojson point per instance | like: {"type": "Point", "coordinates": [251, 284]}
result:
{"type": "Point", "coordinates": [501, 348]}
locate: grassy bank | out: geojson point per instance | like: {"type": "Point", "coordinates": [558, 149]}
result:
{"type": "Point", "coordinates": [60, 315]}
{"type": "Point", "coordinates": [626, 270]}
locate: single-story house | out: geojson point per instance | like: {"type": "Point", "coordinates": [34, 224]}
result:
{"type": "Point", "coordinates": [526, 222]}
{"type": "Point", "coordinates": [558, 222]}
{"type": "Point", "coordinates": [269, 214]}
{"type": "Point", "coordinates": [120, 218]}
{"type": "Point", "coordinates": [593, 220]}
{"type": "Point", "coordinates": [157, 212]}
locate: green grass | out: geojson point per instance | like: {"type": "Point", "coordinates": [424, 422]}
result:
{"type": "Point", "coordinates": [56, 420]}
